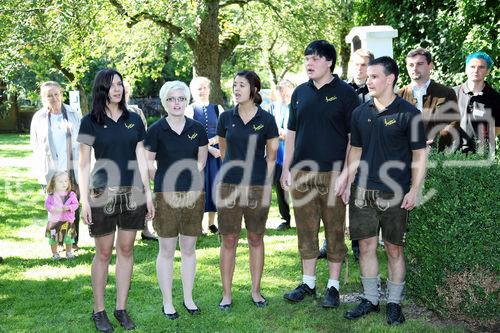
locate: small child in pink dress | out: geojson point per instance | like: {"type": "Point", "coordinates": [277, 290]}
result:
{"type": "Point", "coordinates": [61, 203]}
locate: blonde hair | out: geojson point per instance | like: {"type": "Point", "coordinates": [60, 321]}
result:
{"type": "Point", "coordinates": [199, 79]}
{"type": "Point", "coordinates": [285, 84]}
{"type": "Point", "coordinates": [48, 84]}
{"type": "Point", "coordinates": [364, 53]}
{"type": "Point", "coordinates": [170, 86]}
{"type": "Point", "coordinates": [52, 183]}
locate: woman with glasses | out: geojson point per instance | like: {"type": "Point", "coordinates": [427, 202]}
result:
{"type": "Point", "coordinates": [179, 146]}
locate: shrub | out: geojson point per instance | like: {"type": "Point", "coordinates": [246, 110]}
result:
{"type": "Point", "coordinates": [453, 241]}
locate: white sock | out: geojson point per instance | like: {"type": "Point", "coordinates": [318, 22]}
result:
{"type": "Point", "coordinates": [309, 280]}
{"type": "Point", "coordinates": [333, 283]}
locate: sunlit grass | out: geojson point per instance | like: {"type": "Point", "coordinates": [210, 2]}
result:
{"type": "Point", "coordinates": [41, 295]}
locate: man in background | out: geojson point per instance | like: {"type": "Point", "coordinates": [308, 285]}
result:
{"type": "Point", "coordinates": [279, 110]}
{"type": "Point", "coordinates": [478, 102]}
{"type": "Point", "coordinates": [436, 101]}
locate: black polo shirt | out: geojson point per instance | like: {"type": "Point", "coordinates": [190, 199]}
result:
{"type": "Point", "coordinates": [321, 119]}
{"type": "Point", "coordinates": [262, 127]}
{"type": "Point", "coordinates": [387, 136]}
{"type": "Point", "coordinates": [114, 146]}
{"type": "Point", "coordinates": [361, 91]}
{"type": "Point", "coordinates": [171, 148]}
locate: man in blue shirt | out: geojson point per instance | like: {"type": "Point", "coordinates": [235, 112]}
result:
{"type": "Point", "coordinates": [279, 110]}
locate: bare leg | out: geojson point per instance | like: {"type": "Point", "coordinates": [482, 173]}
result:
{"type": "Point", "coordinates": [334, 269]}
{"type": "Point", "coordinates": [124, 265]}
{"type": "Point", "coordinates": [188, 268]}
{"type": "Point", "coordinates": [256, 249]}
{"type": "Point", "coordinates": [99, 270]}
{"type": "Point", "coordinates": [368, 262]}
{"type": "Point", "coordinates": [309, 267]}
{"type": "Point", "coordinates": [396, 262]}
{"type": "Point", "coordinates": [165, 269]}
{"type": "Point", "coordinates": [227, 263]}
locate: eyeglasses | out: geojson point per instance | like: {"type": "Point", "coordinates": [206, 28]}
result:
{"type": "Point", "coordinates": [176, 99]}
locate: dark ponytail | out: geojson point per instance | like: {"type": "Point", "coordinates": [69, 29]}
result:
{"type": "Point", "coordinates": [254, 81]}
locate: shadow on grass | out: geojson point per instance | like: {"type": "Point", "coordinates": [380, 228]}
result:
{"type": "Point", "coordinates": [14, 153]}
{"type": "Point", "coordinates": [14, 139]}
{"type": "Point", "coordinates": [59, 305]}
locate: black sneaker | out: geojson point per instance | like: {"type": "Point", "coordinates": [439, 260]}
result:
{"type": "Point", "coordinates": [331, 298]}
{"type": "Point", "coordinates": [394, 314]}
{"type": "Point", "coordinates": [299, 293]}
{"type": "Point", "coordinates": [213, 229]}
{"type": "Point", "coordinates": [101, 321]}
{"type": "Point", "coordinates": [283, 226]}
{"type": "Point", "coordinates": [124, 319]}
{"type": "Point", "coordinates": [363, 308]}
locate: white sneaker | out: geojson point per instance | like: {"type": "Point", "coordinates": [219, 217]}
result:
{"type": "Point", "coordinates": [70, 255]}
{"type": "Point", "coordinates": [56, 256]}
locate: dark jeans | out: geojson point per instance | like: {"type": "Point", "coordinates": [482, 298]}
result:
{"type": "Point", "coordinates": [281, 195]}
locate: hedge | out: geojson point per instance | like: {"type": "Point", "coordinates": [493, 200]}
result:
{"type": "Point", "coordinates": [454, 240]}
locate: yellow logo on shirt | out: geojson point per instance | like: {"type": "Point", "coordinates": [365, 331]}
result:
{"type": "Point", "coordinates": [129, 126]}
{"type": "Point", "coordinates": [389, 122]}
{"type": "Point", "coordinates": [192, 136]}
{"type": "Point", "coordinates": [258, 127]}
{"type": "Point", "coordinates": [330, 99]}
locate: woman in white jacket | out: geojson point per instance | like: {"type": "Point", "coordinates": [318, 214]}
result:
{"type": "Point", "coordinates": [53, 133]}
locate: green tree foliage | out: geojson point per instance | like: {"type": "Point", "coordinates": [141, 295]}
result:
{"type": "Point", "coordinates": [46, 39]}
{"type": "Point", "coordinates": [450, 29]}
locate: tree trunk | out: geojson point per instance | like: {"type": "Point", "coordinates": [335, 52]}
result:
{"type": "Point", "coordinates": [206, 49]}
{"type": "Point", "coordinates": [14, 110]}
{"type": "Point", "coordinates": [84, 102]}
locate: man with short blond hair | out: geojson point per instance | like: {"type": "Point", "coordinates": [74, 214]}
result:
{"type": "Point", "coordinates": [357, 69]}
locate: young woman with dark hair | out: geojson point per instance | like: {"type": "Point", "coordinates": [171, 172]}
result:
{"type": "Point", "coordinates": [103, 82]}
{"type": "Point", "coordinates": [119, 193]}
{"type": "Point", "coordinates": [248, 141]}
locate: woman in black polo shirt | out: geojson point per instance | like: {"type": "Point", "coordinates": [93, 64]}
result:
{"type": "Point", "coordinates": [180, 147]}
{"type": "Point", "coordinates": [119, 194]}
{"type": "Point", "coordinates": [248, 141]}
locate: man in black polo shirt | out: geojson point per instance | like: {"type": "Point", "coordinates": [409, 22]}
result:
{"type": "Point", "coordinates": [389, 153]}
{"type": "Point", "coordinates": [357, 65]}
{"type": "Point", "coordinates": [315, 149]}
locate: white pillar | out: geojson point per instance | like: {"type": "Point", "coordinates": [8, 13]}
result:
{"type": "Point", "coordinates": [376, 38]}
{"type": "Point", "coordinates": [74, 100]}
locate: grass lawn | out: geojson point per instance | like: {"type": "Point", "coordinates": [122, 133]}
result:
{"type": "Point", "coordinates": [39, 295]}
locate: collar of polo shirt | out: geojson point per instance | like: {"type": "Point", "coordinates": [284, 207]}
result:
{"type": "Point", "coordinates": [237, 114]}
{"type": "Point", "coordinates": [391, 107]}
{"type": "Point", "coordinates": [166, 127]}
